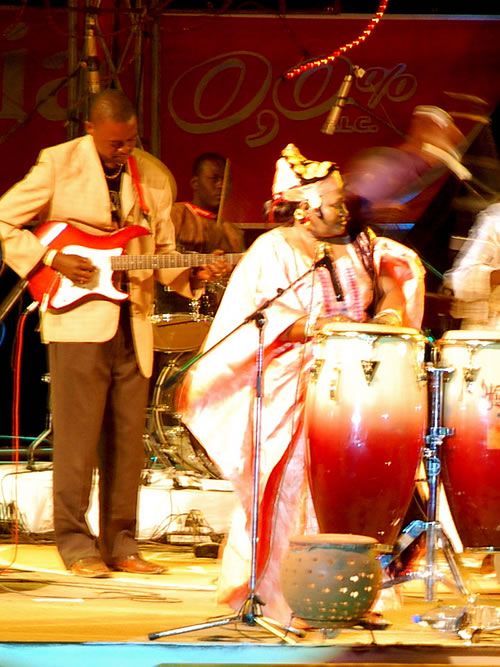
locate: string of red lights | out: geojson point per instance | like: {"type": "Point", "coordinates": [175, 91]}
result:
{"type": "Point", "coordinates": [325, 60]}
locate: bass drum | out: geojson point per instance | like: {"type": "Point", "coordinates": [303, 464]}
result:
{"type": "Point", "coordinates": [176, 443]}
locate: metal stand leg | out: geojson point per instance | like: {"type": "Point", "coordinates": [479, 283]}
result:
{"type": "Point", "coordinates": [43, 435]}
{"type": "Point", "coordinates": [35, 444]}
{"type": "Point", "coordinates": [435, 535]}
{"type": "Point", "coordinates": [251, 611]}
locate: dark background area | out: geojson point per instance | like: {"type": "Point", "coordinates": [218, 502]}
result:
{"type": "Point", "coordinates": [483, 7]}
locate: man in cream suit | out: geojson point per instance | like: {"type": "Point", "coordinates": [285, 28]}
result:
{"type": "Point", "coordinates": [100, 352]}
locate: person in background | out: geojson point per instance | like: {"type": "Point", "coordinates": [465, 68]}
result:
{"type": "Point", "coordinates": [474, 278]}
{"type": "Point", "coordinates": [200, 227]}
{"type": "Point", "coordinates": [100, 351]}
{"type": "Point", "coordinates": [368, 278]}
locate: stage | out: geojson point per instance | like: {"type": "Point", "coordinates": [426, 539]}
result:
{"type": "Point", "coordinates": [52, 618]}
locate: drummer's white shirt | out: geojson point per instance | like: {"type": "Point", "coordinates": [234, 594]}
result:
{"type": "Point", "coordinates": [476, 303]}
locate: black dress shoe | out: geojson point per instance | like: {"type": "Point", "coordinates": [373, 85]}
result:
{"type": "Point", "coordinates": [90, 567]}
{"type": "Point", "coordinates": [137, 565]}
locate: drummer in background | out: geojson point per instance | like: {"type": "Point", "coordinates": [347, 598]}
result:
{"type": "Point", "coordinates": [200, 227]}
{"type": "Point", "coordinates": [368, 278]}
{"type": "Point", "coordinates": [474, 280]}
{"type": "Point", "coordinates": [475, 276]}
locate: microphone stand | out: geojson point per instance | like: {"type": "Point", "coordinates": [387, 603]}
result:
{"type": "Point", "coordinates": [250, 612]}
{"type": "Point", "coordinates": [323, 261]}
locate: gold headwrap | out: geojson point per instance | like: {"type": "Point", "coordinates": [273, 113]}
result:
{"type": "Point", "coordinates": [296, 178]}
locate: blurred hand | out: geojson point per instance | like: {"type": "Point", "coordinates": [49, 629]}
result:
{"type": "Point", "coordinates": [215, 271]}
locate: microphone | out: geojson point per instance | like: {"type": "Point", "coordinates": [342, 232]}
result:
{"type": "Point", "coordinates": [333, 117]}
{"type": "Point", "coordinates": [326, 261]}
{"type": "Point", "coordinates": [91, 60]}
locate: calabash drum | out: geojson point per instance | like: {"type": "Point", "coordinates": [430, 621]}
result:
{"type": "Point", "coordinates": [331, 579]}
{"type": "Point", "coordinates": [471, 454]}
{"type": "Point", "coordinates": [366, 409]}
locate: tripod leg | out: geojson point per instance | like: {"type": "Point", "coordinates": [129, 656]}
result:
{"type": "Point", "coordinates": [454, 564]}
{"type": "Point", "coordinates": [192, 628]}
{"type": "Point", "coordinates": [275, 630]}
{"type": "Point", "coordinates": [34, 445]}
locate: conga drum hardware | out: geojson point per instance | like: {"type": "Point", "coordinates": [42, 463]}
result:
{"type": "Point", "coordinates": [470, 376]}
{"type": "Point", "coordinates": [435, 535]}
{"type": "Point", "coordinates": [369, 369]}
{"type": "Point", "coordinates": [316, 367]}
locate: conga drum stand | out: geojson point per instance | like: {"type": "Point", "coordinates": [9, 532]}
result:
{"type": "Point", "coordinates": [434, 533]}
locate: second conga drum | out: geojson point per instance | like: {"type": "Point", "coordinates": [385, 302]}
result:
{"type": "Point", "coordinates": [366, 410]}
{"type": "Point", "coordinates": [471, 453]}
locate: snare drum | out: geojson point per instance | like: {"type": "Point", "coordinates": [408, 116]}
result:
{"type": "Point", "coordinates": [471, 454]}
{"type": "Point", "coordinates": [366, 409]}
{"type": "Point", "coordinates": [178, 324]}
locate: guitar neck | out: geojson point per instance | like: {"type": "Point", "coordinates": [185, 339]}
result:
{"type": "Point", "coordinates": [171, 261]}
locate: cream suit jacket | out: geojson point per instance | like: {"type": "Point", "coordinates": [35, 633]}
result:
{"type": "Point", "coordinates": [67, 183]}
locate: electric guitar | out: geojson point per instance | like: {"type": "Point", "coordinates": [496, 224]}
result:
{"type": "Point", "coordinates": [55, 292]}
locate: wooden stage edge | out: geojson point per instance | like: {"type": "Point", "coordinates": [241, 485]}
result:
{"type": "Point", "coordinates": [51, 618]}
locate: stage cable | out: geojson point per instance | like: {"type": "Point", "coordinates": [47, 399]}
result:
{"type": "Point", "coordinates": [16, 393]}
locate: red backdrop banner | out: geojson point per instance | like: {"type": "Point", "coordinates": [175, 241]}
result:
{"type": "Point", "coordinates": [222, 88]}
{"type": "Point", "coordinates": [228, 91]}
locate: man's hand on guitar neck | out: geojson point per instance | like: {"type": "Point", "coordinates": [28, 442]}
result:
{"type": "Point", "coordinates": [210, 272]}
{"type": "Point", "coordinates": [79, 270]}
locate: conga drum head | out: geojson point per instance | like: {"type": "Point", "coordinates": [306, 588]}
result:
{"type": "Point", "coordinates": [471, 453]}
{"type": "Point", "coordinates": [359, 328]}
{"type": "Point", "coordinates": [469, 335]}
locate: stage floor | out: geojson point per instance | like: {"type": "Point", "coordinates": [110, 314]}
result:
{"type": "Point", "coordinates": [50, 617]}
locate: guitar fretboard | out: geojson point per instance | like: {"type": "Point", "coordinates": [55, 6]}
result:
{"type": "Point", "coordinates": [131, 262]}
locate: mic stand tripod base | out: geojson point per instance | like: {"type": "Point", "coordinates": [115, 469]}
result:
{"type": "Point", "coordinates": [250, 614]}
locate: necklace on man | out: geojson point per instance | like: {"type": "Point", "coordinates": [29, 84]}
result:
{"type": "Point", "coordinates": [110, 177]}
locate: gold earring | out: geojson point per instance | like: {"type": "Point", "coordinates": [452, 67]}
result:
{"type": "Point", "coordinates": [299, 215]}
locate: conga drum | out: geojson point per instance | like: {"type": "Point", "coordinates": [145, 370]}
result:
{"type": "Point", "coordinates": [471, 454]}
{"type": "Point", "coordinates": [366, 412]}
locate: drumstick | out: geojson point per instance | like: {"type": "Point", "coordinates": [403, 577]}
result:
{"type": "Point", "coordinates": [225, 186]}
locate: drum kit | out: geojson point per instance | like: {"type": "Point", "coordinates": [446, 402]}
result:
{"type": "Point", "coordinates": [179, 328]}
{"type": "Point", "coordinates": [376, 408]}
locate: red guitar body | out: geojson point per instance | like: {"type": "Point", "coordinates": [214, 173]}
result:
{"type": "Point", "coordinates": [54, 291]}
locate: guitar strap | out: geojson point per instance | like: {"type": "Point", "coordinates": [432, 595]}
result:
{"type": "Point", "coordinates": [134, 172]}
